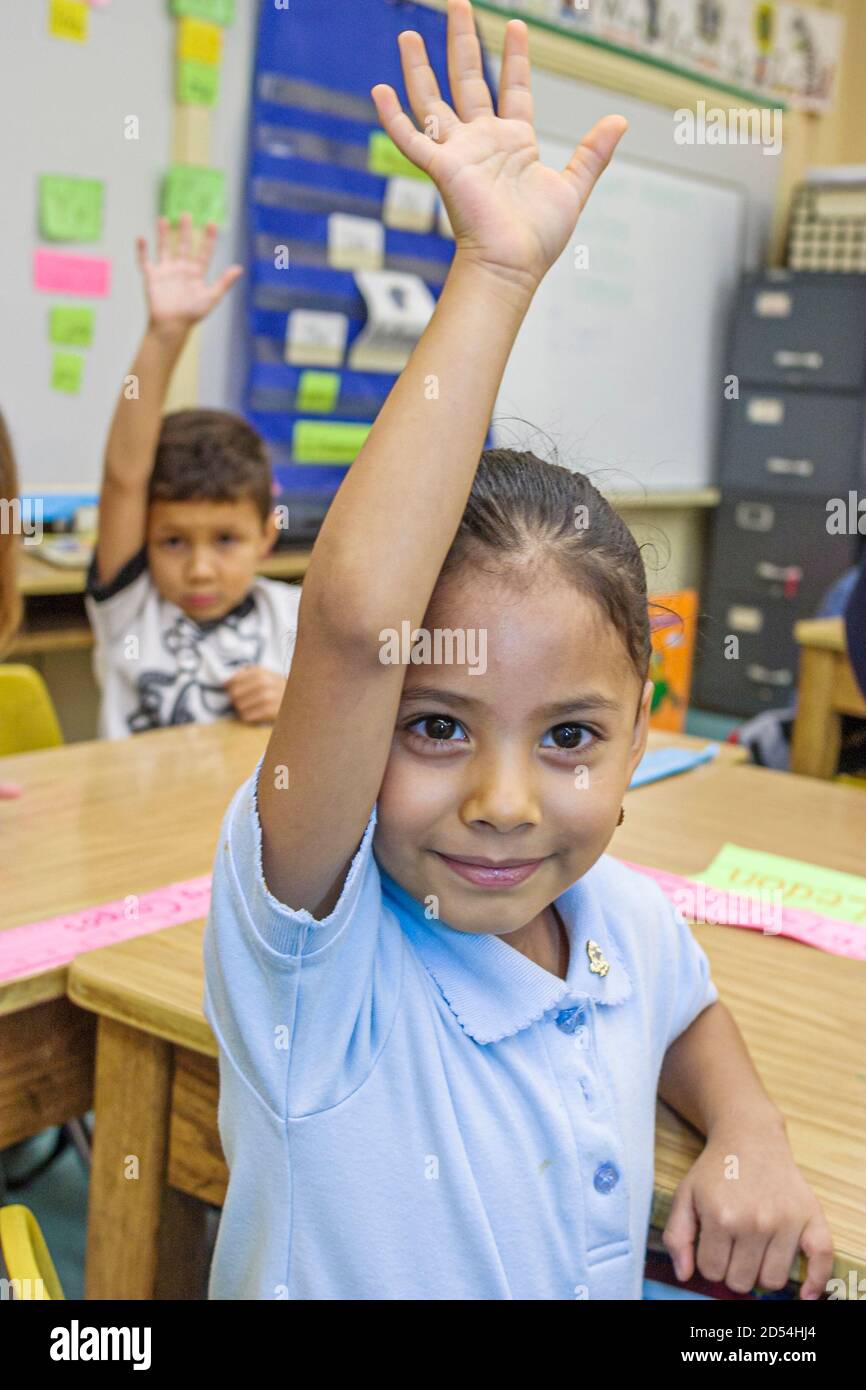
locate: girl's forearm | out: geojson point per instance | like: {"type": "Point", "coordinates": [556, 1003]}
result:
{"type": "Point", "coordinates": [709, 1078]}
{"type": "Point", "coordinates": [387, 532]}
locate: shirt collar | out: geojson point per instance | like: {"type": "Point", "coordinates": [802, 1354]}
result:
{"type": "Point", "coordinates": [494, 990]}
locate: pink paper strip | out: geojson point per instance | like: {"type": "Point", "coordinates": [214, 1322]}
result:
{"type": "Point", "coordinates": [59, 273]}
{"type": "Point", "coordinates": [39, 946]}
{"type": "Point", "coordinates": [827, 933]}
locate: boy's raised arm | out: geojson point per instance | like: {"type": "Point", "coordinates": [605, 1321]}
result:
{"type": "Point", "coordinates": [388, 530]}
{"type": "Point", "coordinates": [177, 298]}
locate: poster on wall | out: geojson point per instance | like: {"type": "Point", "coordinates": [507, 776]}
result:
{"type": "Point", "coordinates": [774, 48]}
{"type": "Point", "coordinates": [673, 629]}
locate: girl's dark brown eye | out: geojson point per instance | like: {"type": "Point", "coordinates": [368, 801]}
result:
{"type": "Point", "coordinates": [567, 735]}
{"type": "Point", "coordinates": [439, 728]}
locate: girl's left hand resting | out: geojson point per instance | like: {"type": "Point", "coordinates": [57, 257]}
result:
{"type": "Point", "coordinates": [256, 694]}
{"type": "Point", "coordinates": [750, 1210]}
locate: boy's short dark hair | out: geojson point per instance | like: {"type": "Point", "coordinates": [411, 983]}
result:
{"type": "Point", "coordinates": [212, 455]}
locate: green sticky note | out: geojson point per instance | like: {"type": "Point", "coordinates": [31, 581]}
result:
{"type": "Point", "coordinates": [384, 158]}
{"type": "Point", "coordinates": [318, 391]}
{"type": "Point", "coordinates": [215, 11]}
{"type": "Point", "coordinates": [320, 441]}
{"type": "Point", "coordinates": [72, 326]}
{"type": "Point", "coordinates": [194, 189]}
{"type": "Point", "coordinates": [70, 209]}
{"type": "Point", "coordinates": [826, 891]}
{"type": "Point", "coordinates": [67, 370]}
{"type": "Point", "coordinates": [198, 84]}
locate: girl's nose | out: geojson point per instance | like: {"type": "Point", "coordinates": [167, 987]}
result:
{"type": "Point", "coordinates": [502, 797]}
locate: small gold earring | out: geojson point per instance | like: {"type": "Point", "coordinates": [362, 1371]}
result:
{"type": "Point", "coordinates": [621, 815]}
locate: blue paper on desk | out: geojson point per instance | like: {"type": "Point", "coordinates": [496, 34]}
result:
{"type": "Point", "coordinates": [667, 762]}
{"type": "Point", "coordinates": [60, 506]}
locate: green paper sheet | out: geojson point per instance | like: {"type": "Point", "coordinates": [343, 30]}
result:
{"type": "Point", "coordinates": [214, 11]}
{"type": "Point", "coordinates": [198, 84]}
{"type": "Point", "coordinates": [319, 441]}
{"type": "Point", "coordinates": [70, 209]}
{"type": "Point", "coordinates": [827, 891]}
{"type": "Point", "coordinates": [67, 371]}
{"type": "Point", "coordinates": [318, 391]}
{"type": "Point", "coordinates": [71, 326]}
{"type": "Point", "coordinates": [194, 189]}
{"type": "Point", "coordinates": [384, 158]}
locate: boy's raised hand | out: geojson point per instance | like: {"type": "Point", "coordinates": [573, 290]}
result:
{"type": "Point", "coordinates": [508, 211]}
{"type": "Point", "coordinates": [177, 293]}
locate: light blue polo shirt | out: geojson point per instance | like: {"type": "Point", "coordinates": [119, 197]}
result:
{"type": "Point", "coordinates": [413, 1112]}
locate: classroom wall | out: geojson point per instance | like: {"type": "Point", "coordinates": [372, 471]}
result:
{"type": "Point", "coordinates": [220, 138]}
{"type": "Point", "coordinates": [674, 534]}
{"type": "Point", "coordinates": [836, 137]}
{"type": "Point", "coordinates": [213, 370]}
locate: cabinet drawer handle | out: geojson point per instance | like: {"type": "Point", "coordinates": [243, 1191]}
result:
{"type": "Point", "coordinates": [762, 675]}
{"type": "Point", "coordinates": [800, 468]}
{"type": "Point", "coordinates": [782, 574]}
{"type": "Point", "coordinates": [785, 358]}
{"type": "Point", "coordinates": [754, 516]}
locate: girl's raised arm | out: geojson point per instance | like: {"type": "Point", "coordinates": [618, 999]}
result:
{"type": "Point", "coordinates": [389, 528]}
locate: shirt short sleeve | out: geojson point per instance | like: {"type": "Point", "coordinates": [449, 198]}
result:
{"type": "Point", "coordinates": [692, 987]}
{"type": "Point", "coordinates": [301, 1006]}
{"type": "Point", "coordinates": [113, 608]}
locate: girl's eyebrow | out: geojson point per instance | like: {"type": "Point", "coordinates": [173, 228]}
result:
{"type": "Point", "coordinates": [586, 701]}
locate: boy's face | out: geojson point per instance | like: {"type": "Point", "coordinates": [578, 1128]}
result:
{"type": "Point", "coordinates": [524, 763]}
{"type": "Point", "coordinates": [203, 555]}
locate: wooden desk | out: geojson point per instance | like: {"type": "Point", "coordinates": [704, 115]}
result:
{"type": "Point", "coordinates": [149, 813]}
{"type": "Point", "coordinates": [825, 691]}
{"type": "Point", "coordinates": [94, 823]}
{"type": "Point", "coordinates": [156, 1087]}
{"type": "Point", "coordinates": [54, 616]}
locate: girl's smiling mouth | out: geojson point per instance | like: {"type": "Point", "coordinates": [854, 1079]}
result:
{"type": "Point", "coordinates": [490, 873]}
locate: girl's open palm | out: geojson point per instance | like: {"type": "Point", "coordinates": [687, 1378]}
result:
{"type": "Point", "coordinates": [507, 210]}
{"type": "Point", "coordinates": [177, 293]}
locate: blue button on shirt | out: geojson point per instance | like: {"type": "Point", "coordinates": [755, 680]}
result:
{"type": "Point", "coordinates": [413, 1112]}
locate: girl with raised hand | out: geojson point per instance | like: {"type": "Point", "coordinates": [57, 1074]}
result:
{"type": "Point", "coordinates": [443, 1013]}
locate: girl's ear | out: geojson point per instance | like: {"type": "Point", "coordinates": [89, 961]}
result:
{"type": "Point", "coordinates": [641, 728]}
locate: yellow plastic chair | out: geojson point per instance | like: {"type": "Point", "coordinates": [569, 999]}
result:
{"type": "Point", "coordinates": [28, 719]}
{"type": "Point", "coordinates": [25, 1263]}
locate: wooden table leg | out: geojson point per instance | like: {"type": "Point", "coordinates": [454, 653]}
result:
{"type": "Point", "coordinates": [817, 736]}
{"type": "Point", "coordinates": [129, 1199]}
{"type": "Point", "coordinates": [46, 1067]}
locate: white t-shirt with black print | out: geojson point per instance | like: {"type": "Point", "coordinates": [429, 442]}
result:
{"type": "Point", "coordinates": [156, 666]}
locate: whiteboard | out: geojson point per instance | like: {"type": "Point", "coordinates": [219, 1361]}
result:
{"type": "Point", "coordinates": [619, 365]}
{"type": "Point", "coordinates": [62, 108]}
{"type": "Point", "coordinates": [62, 111]}
{"type": "Point", "coordinates": [622, 355]}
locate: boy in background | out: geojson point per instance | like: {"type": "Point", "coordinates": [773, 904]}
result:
{"type": "Point", "coordinates": [186, 631]}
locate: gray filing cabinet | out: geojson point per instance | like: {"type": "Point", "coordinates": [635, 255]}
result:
{"type": "Point", "coordinates": [794, 439]}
